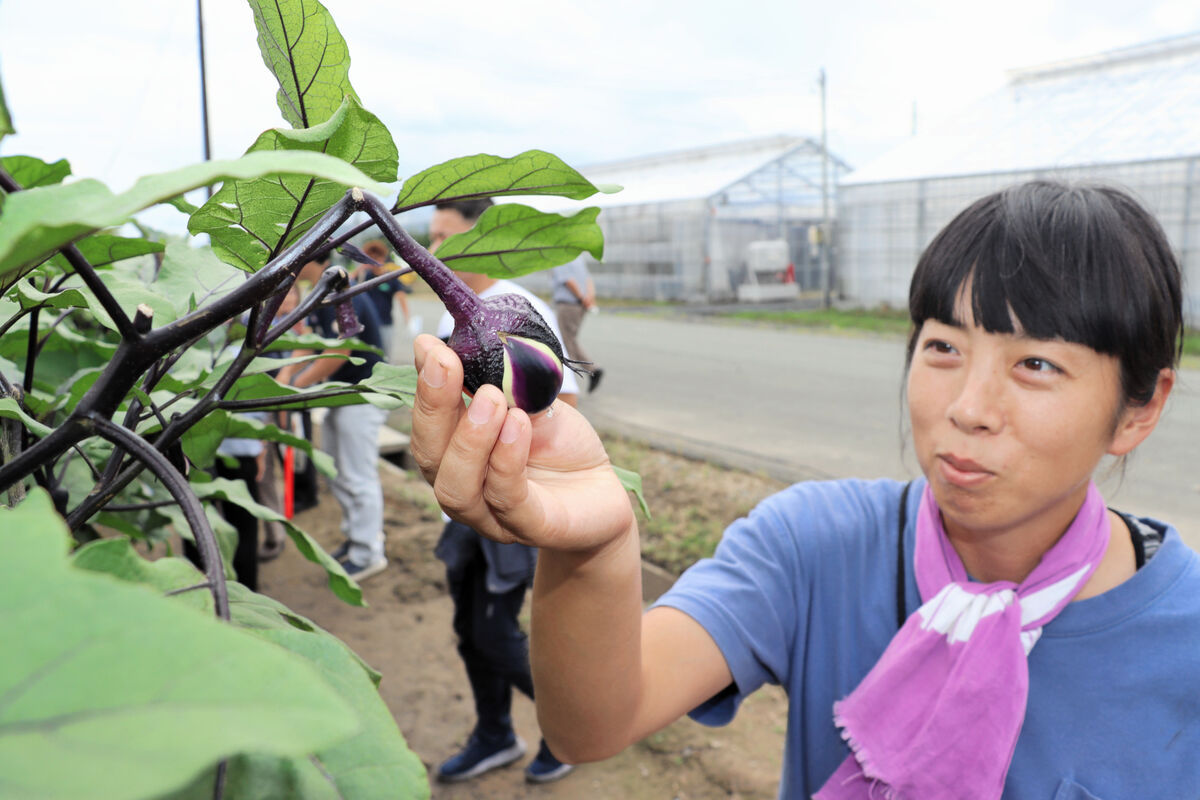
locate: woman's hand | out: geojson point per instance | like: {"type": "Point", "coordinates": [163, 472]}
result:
{"type": "Point", "coordinates": [544, 481]}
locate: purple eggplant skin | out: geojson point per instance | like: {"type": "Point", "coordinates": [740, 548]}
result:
{"type": "Point", "coordinates": [508, 344]}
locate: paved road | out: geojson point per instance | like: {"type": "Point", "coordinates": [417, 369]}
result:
{"type": "Point", "coordinates": [801, 405]}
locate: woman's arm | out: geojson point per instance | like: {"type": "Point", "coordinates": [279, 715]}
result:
{"type": "Point", "coordinates": [605, 675]}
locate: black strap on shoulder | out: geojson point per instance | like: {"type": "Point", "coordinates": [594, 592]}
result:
{"type": "Point", "coordinates": [901, 600]}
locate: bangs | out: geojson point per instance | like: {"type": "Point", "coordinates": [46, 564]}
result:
{"type": "Point", "coordinates": [1059, 266]}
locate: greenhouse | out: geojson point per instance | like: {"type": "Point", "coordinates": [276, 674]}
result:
{"type": "Point", "coordinates": [1129, 118]}
{"type": "Point", "coordinates": [712, 223]}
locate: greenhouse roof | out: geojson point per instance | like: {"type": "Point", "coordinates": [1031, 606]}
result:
{"type": "Point", "coordinates": [693, 174]}
{"type": "Point", "coordinates": [1140, 103]}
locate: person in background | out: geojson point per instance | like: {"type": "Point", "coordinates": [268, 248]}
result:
{"type": "Point", "coordinates": [268, 485]}
{"type": "Point", "coordinates": [488, 581]}
{"type": "Point", "coordinates": [393, 291]}
{"type": "Point", "coordinates": [991, 630]}
{"type": "Point", "coordinates": [573, 295]}
{"type": "Point", "coordinates": [350, 434]}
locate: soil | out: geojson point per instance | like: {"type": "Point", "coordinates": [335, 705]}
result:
{"type": "Point", "coordinates": [405, 633]}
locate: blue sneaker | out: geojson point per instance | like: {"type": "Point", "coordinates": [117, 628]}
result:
{"type": "Point", "coordinates": [479, 757]}
{"type": "Point", "coordinates": [545, 768]}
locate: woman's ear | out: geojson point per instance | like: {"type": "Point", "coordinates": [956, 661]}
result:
{"type": "Point", "coordinates": [1137, 422]}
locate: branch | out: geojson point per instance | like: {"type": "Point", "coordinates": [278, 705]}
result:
{"type": "Point", "coordinates": [135, 356]}
{"type": "Point", "coordinates": [364, 286]}
{"type": "Point", "coordinates": [283, 402]}
{"type": "Point", "coordinates": [189, 504]}
{"type": "Point", "coordinates": [178, 425]}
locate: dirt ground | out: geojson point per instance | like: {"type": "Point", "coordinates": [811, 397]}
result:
{"type": "Point", "coordinates": [405, 633]}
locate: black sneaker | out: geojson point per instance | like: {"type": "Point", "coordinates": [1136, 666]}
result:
{"type": "Point", "coordinates": [545, 768]}
{"type": "Point", "coordinates": [361, 572]}
{"type": "Point", "coordinates": [341, 552]}
{"type": "Point", "coordinates": [479, 757]}
{"type": "Point", "coordinates": [594, 380]}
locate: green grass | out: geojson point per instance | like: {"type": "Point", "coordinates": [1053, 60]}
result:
{"type": "Point", "coordinates": [874, 321]}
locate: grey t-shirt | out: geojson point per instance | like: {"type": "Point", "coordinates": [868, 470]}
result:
{"type": "Point", "coordinates": [573, 270]}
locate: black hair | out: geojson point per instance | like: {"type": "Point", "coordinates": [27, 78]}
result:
{"type": "Point", "coordinates": [471, 210]}
{"type": "Point", "coordinates": [1081, 263]}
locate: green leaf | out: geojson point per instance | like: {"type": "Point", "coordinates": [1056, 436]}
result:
{"type": "Point", "coordinates": [375, 765]}
{"type": "Point", "coordinates": [302, 47]}
{"type": "Point", "coordinates": [201, 441]}
{"type": "Point", "coordinates": [112, 691]}
{"type": "Point", "coordinates": [181, 203]}
{"type": "Point", "coordinates": [6, 126]}
{"type": "Point", "coordinates": [194, 276]}
{"type": "Point", "coordinates": [251, 221]}
{"type": "Point", "coordinates": [104, 248]}
{"type": "Point", "coordinates": [30, 297]}
{"type": "Point", "coordinates": [340, 583]}
{"type": "Point", "coordinates": [36, 223]}
{"type": "Point", "coordinates": [32, 172]}
{"type": "Point", "coordinates": [10, 409]}
{"type": "Point", "coordinates": [633, 483]}
{"type": "Point", "coordinates": [116, 557]}
{"type": "Point", "coordinates": [532, 172]}
{"type": "Point", "coordinates": [510, 240]}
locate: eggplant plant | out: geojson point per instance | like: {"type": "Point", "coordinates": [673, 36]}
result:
{"type": "Point", "coordinates": [126, 359]}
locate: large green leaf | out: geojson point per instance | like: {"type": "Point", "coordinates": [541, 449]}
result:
{"type": "Point", "coordinates": [251, 221]}
{"type": "Point", "coordinates": [532, 172]}
{"type": "Point", "coordinates": [302, 47]}
{"type": "Point", "coordinates": [32, 172]}
{"type": "Point", "coordinates": [510, 240]}
{"type": "Point", "coordinates": [38, 222]}
{"type": "Point", "coordinates": [340, 583]}
{"type": "Point", "coordinates": [374, 764]}
{"type": "Point", "coordinates": [113, 691]}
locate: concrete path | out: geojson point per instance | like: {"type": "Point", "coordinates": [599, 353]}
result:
{"type": "Point", "coordinates": [801, 405]}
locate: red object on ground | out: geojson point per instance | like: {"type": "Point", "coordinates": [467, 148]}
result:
{"type": "Point", "coordinates": [289, 482]}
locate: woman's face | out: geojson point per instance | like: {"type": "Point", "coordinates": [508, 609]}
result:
{"type": "Point", "coordinates": [1009, 429]}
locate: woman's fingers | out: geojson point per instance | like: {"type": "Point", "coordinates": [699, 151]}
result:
{"type": "Point", "coordinates": [464, 464]}
{"type": "Point", "coordinates": [438, 404]}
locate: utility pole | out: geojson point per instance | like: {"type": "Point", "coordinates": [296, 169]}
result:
{"type": "Point", "coordinates": [826, 223]}
{"type": "Point", "coordinates": [203, 88]}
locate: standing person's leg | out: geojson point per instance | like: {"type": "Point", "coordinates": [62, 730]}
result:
{"type": "Point", "coordinates": [357, 488]}
{"type": "Point", "coordinates": [385, 336]}
{"type": "Point", "coordinates": [484, 624]}
{"type": "Point", "coordinates": [570, 320]}
{"type": "Point", "coordinates": [269, 495]}
{"type": "Point", "coordinates": [245, 556]}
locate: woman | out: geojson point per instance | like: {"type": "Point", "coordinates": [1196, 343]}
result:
{"type": "Point", "coordinates": [988, 630]}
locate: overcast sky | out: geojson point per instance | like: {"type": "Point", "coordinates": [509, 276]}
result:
{"type": "Point", "coordinates": [114, 86]}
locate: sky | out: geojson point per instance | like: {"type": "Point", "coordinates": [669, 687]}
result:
{"type": "Point", "coordinates": [114, 86]}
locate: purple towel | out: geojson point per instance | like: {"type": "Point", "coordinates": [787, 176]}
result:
{"type": "Point", "coordinates": [938, 715]}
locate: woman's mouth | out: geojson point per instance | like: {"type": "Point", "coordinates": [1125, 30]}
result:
{"type": "Point", "coordinates": [962, 472]}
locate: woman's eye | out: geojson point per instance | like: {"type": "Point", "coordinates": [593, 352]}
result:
{"type": "Point", "coordinates": [938, 346]}
{"type": "Point", "coordinates": [1035, 364]}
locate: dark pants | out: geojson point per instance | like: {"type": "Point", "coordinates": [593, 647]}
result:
{"type": "Point", "coordinates": [493, 647]}
{"type": "Point", "coordinates": [245, 557]}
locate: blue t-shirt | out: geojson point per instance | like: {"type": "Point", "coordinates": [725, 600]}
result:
{"type": "Point", "coordinates": [802, 593]}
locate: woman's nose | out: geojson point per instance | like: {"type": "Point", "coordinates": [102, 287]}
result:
{"type": "Point", "coordinates": [979, 404]}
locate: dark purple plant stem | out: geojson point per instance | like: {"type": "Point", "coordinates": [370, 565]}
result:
{"type": "Point", "coordinates": [460, 301]}
{"type": "Point", "coordinates": [189, 504]}
{"type": "Point", "coordinates": [136, 355]}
